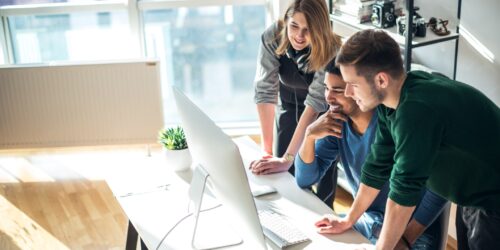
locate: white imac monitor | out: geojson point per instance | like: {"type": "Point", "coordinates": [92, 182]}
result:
{"type": "Point", "coordinates": [220, 159]}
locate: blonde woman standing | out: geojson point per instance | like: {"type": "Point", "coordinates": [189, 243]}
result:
{"type": "Point", "coordinates": [289, 85]}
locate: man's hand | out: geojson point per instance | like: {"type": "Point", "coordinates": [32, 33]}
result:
{"type": "Point", "coordinates": [330, 123]}
{"type": "Point", "coordinates": [269, 164]}
{"type": "Point", "coordinates": [331, 224]}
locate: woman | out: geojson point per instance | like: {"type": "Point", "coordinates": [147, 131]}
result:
{"type": "Point", "coordinates": [289, 74]}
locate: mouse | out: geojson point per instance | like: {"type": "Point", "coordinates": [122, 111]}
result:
{"type": "Point", "coordinates": [260, 190]}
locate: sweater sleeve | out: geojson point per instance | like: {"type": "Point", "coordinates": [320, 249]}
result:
{"type": "Point", "coordinates": [377, 168]}
{"type": "Point", "coordinates": [429, 208]}
{"type": "Point", "coordinates": [266, 82]}
{"type": "Point", "coordinates": [316, 96]}
{"type": "Point", "coordinates": [417, 133]}
{"type": "Point", "coordinates": [326, 150]}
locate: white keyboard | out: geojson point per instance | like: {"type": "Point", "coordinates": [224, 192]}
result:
{"type": "Point", "coordinates": [280, 230]}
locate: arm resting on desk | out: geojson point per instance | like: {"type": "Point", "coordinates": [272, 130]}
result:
{"type": "Point", "coordinates": [335, 225]}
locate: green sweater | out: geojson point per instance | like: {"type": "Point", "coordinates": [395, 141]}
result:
{"type": "Point", "coordinates": [444, 135]}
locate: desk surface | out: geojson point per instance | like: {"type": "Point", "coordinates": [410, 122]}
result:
{"type": "Point", "coordinates": [154, 208]}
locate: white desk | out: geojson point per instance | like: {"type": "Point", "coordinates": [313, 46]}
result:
{"type": "Point", "coordinates": [153, 211]}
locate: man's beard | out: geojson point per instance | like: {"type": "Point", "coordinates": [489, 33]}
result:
{"type": "Point", "coordinates": [379, 95]}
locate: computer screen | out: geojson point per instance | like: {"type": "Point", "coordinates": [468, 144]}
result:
{"type": "Point", "coordinates": [219, 156]}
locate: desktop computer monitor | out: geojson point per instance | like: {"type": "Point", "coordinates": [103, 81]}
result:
{"type": "Point", "coordinates": [220, 159]}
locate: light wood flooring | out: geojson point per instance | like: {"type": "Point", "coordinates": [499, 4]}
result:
{"type": "Point", "coordinates": [59, 199]}
{"type": "Point", "coordinates": [78, 214]}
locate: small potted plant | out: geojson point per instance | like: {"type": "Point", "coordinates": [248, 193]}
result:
{"type": "Point", "coordinates": [176, 148]}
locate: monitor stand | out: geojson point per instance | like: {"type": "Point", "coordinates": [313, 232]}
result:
{"type": "Point", "coordinates": [216, 235]}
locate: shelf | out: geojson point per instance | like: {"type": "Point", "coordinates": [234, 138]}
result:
{"type": "Point", "coordinates": [353, 23]}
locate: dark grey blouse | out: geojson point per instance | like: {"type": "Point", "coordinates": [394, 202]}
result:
{"type": "Point", "coordinates": [271, 72]}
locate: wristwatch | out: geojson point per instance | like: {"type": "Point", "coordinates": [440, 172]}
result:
{"type": "Point", "coordinates": [289, 157]}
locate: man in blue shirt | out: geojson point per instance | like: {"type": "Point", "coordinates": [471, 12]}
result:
{"type": "Point", "coordinates": [347, 132]}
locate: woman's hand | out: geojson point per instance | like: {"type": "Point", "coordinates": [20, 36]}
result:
{"type": "Point", "coordinates": [269, 164]}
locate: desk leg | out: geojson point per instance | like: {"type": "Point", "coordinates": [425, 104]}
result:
{"type": "Point", "coordinates": [143, 245]}
{"type": "Point", "coordinates": [132, 237]}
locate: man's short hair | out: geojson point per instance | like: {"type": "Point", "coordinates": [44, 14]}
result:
{"type": "Point", "coordinates": [332, 68]}
{"type": "Point", "coordinates": [371, 52]}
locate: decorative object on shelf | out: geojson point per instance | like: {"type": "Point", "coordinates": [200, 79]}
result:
{"type": "Point", "coordinates": [176, 149]}
{"type": "Point", "coordinates": [383, 14]}
{"type": "Point", "coordinates": [419, 25]}
{"type": "Point", "coordinates": [440, 31]}
{"type": "Point", "coordinates": [360, 10]}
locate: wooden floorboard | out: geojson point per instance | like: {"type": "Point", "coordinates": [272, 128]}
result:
{"type": "Point", "coordinates": [46, 204]}
{"type": "Point", "coordinates": [79, 219]}
{"type": "Point", "coordinates": [343, 201]}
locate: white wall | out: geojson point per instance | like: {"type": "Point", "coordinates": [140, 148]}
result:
{"type": "Point", "coordinates": [481, 19]}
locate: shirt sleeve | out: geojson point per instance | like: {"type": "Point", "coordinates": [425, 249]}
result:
{"type": "Point", "coordinates": [377, 168]}
{"type": "Point", "coordinates": [266, 82]}
{"type": "Point", "coordinates": [316, 96]}
{"type": "Point", "coordinates": [326, 150]}
{"type": "Point", "coordinates": [417, 132]}
{"type": "Point", "coordinates": [429, 208]}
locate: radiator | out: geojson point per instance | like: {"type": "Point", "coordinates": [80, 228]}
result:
{"type": "Point", "coordinates": [80, 105]}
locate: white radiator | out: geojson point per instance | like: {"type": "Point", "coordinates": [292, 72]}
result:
{"type": "Point", "coordinates": [77, 105]}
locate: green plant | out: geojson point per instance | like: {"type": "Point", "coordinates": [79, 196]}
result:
{"type": "Point", "coordinates": [173, 138]}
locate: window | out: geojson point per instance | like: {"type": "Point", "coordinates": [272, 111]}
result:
{"type": "Point", "coordinates": [70, 37]}
{"type": "Point", "coordinates": [207, 49]}
{"type": "Point", "coordinates": [210, 54]}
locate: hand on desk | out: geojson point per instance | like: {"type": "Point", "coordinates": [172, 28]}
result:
{"type": "Point", "coordinates": [332, 224]}
{"type": "Point", "coordinates": [269, 164]}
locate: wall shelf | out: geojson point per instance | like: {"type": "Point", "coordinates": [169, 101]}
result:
{"type": "Point", "coordinates": [345, 26]}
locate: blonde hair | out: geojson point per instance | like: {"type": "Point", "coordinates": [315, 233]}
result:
{"type": "Point", "coordinates": [324, 43]}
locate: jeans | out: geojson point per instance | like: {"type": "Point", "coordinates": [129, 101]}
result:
{"type": "Point", "coordinates": [370, 226]}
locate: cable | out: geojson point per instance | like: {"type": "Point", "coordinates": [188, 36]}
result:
{"type": "Point", "coordinates": [182, 219]}
{"type": "Point", "coordinates": [176, 224]}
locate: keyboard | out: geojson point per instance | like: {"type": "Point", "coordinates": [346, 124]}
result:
{"type": "Point", "coordinates": [280, 230]}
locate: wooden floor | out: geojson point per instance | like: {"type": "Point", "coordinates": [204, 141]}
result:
{"type": "Point", "coordinates": [54, 200]}
{"type": "Point", "coordinates": [78, 214]}
{"type": "Point", "coordinates": [343, 200]}
{"type": "Point", "coordinates": [59, 198]}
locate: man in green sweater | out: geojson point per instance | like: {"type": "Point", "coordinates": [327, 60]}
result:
{"type": "Point", "coordinates": [433, 132]}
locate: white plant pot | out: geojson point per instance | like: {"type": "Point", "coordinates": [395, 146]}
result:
{"type": "Point", "coordinates": [178, 160]}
